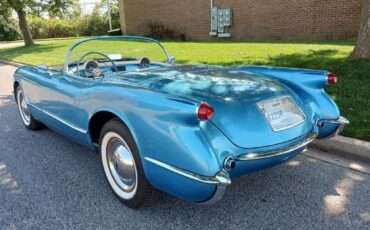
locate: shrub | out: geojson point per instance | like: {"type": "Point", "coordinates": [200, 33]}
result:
{"type": "Point", "coordinates": [159, 31]}
{"type": "Point", "coordinates": [8, 31]}
{"type": "Point", "coordinates": [93, 25]}
{"type": "Point", "coordinates": [90, 25]}
{"type": "Point", "coordinates": [51, 28]}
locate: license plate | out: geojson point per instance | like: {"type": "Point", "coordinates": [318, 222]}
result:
{"type": "Point", "coordinates": [281, 113]}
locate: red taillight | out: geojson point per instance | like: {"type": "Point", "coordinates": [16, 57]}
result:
{"type": "Point", "coordinates": [332, 78]}
{"type": "Point", "coordinates": [205, 112]}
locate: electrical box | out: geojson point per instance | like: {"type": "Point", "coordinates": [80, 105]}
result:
{"type": "Point", "coordinates": [221, 20]}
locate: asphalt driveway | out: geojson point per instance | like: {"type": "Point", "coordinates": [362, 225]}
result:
{"type": "Point", "coordinates": [48, 182]}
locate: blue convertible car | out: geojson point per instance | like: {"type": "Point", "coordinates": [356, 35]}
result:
{"type": "Point", "coordinates": [188, 130]}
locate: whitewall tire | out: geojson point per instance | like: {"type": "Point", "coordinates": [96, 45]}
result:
{"type": "Point", "coordinates": [122, 166]}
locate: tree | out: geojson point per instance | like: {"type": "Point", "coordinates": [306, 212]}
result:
{"type": "Point", "coordinates": [101, 8]}
{"type": "Point", "coordinates": [21, 7]}
{"type": "Point", "coordinates": [122, 17]}
{"type": "Point", "coordinates": [362, 49]}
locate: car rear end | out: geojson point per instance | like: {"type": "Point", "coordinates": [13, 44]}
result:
{"type": "Point", "coordinates": [252, 118]}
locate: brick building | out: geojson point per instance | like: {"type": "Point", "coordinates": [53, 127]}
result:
{"type": "Point", "coordinates": [262, 19]}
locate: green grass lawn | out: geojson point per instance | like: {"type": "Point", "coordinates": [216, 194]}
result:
{"type": "Point", "coordinates": [352, 92]}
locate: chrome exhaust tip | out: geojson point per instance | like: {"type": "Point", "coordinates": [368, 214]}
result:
{"type": "Point", "coordinates": [229, 163]}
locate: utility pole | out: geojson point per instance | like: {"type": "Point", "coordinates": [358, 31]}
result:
{"type": "Point", "coordinates": [109, 15]}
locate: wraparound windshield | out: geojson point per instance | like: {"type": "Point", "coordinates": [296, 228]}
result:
{"type": "Point", "coordinates": [121, 48]}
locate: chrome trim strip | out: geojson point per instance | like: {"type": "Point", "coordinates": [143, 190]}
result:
{"type": "Point", "coordinates": [221, 178]}
{"type": "Point", "coordinates": [34, 106]}
{"type": "Point", "coordinates": [60, 119]}
{"type": "Point", "coordinates": [263, 155]}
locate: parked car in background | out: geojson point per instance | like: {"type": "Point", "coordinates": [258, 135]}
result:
{"type": "Point", "coordinates": [187, 130]}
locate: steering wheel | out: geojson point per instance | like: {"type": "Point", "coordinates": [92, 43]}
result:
{"type": "Point", "coordinates": [94, 52]}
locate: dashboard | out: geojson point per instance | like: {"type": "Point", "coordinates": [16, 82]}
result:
{"type": "Point", "coordinates": [98, 68]}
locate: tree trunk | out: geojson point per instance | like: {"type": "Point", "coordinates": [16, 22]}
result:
{"type": "Point", "coordinates": [122, 16]}
{"type": "Point", "coordinates": [23, 25]}
{"type": "Point", "coordinates": [362, 49]}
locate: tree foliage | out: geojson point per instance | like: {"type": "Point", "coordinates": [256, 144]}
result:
{"type": "Point", "coordinates": [65, 19]}
{"type": "Point", "coordinates": [24, 7]}
{"type": "Point", "coordinates": [5, 11]}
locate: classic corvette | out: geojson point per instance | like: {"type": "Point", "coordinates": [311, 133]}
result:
{"type": "Point", "coordinates": [187, 130]}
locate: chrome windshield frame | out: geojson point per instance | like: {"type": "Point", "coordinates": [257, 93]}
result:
{"type": "Point", "coordinates": [124, 38]}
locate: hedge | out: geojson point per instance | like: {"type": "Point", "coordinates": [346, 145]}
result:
{"type": "Point", "coordinates": [51, 28]}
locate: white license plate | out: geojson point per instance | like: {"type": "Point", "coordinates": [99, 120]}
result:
{"type": "Point", "coordinates": [281, 113]}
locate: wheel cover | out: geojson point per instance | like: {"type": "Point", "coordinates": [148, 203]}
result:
{"type": "Point", "coordinates": [23, 109]}
{"type": "Point", "coordinates": [119, 165]}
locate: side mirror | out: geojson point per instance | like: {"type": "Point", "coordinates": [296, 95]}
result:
{"type": "Point", "coordinates": [172, 59]}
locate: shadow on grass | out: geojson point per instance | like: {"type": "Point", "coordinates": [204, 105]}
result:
{"type": "Point", "coordinates": [11, 53]}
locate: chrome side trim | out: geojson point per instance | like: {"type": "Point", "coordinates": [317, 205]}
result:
{"type": "Point", "coordinates": [262, 155]}
{"type": "Point", "coordinates": [221, 178]}
{"type": "Point", "coordinates": [59, 119]}
{"type": "Point", "coordinates": [341, 122]}
{"type": "Point", "coordinates": [34, 106]}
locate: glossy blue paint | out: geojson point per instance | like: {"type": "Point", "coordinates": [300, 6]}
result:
{"type": "Point", "coordinates": [159, 104]}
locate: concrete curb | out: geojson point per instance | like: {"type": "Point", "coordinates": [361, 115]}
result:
{"type": "Point", "coordinates": [345, 146]}
{"type": "Point", "coordinates": [15, 64]}
{"type": "Point", "coordinates": [349, 147]}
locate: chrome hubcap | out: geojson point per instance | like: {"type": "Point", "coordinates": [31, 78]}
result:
{"type": "Point", "coordinates": [121, 164]}
{"type": "Point", "coordinates": [23, 109]}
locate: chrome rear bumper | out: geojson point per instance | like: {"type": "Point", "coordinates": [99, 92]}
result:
{"type": "Point", "coordinates": [221, 188]}
{"type": "Point", "coordinates": [341, 122]}
{"type": "Point", "coordinates": [262, 155]}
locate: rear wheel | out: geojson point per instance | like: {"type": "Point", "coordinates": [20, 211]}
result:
{"type": "Point", "coordinates": [25, 114]}
{"type": "Point", "coordinates": [122, 166]}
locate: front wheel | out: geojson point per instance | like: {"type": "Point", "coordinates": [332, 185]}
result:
{"type": "Point", "coordinates": [26, 116]}
{"type": "Point", "coordinates": [122, 166]}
